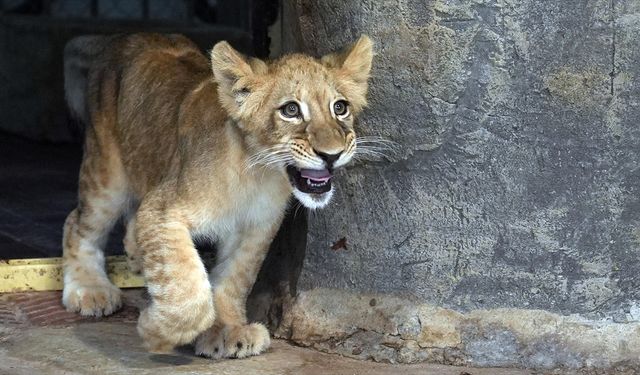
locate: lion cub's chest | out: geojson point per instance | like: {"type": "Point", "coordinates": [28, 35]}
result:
{"type": "Point", "coordinates": [250, 203]}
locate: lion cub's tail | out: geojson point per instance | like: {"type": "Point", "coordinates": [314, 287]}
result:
{"type": "Point", "coordinates": [79, 55]}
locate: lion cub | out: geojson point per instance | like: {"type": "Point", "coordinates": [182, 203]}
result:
{"type": "Point", "coordinates": [183, 146]}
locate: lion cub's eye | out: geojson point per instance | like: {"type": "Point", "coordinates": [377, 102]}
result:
{"type": "Point", "coordinates": [340, 108]}
{"type": "Point", "coordinates": [290, 110]}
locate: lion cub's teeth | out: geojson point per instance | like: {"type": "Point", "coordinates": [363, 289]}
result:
{"type": "Point", "coordinates": [314, 184]}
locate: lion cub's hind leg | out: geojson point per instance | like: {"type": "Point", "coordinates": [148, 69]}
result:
{"type": "Point", "coordinates": [102, 198]}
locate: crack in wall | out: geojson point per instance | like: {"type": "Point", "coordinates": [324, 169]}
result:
{"type": "Point", "coordinates": [613, 46]}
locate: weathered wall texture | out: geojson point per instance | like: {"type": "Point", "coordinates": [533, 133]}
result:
{"type": "Point", "coordinates": [517, 181]}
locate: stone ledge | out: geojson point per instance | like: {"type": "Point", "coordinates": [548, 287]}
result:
{"type": "Point", "coordinates": [402, 330]}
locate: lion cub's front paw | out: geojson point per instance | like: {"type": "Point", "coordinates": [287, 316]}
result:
{"type": "Point", "coordinates": [92, 300]}
{"type": "Point", "coordinates": [162, 328]}
{"type": "Point", "coordinates": [234, 341]}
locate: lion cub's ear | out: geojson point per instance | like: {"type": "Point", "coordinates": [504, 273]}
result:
{"type": "Point", "coordinates": [354, 60]}
{"type": "Point", "coordinates": [235, 75]}
{"type": "Point", "coordinates": [353, 64]}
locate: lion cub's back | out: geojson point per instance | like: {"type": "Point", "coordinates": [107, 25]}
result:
{"type": "Point", "coordinates": [159, 73]}
{"type": "Point", "coordinates": [133, 90]}
{"type": "Point", "coordinates": [99, 53]}
{"type": "Point", "coordinates": [155, 73]}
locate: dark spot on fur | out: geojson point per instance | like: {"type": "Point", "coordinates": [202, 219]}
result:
{"type": "Point", "coordinates": [118, 78]}
{"type": "Point", "coordinates": [98, 91]}
{"type": "Point", "coordinates": [239, 345]}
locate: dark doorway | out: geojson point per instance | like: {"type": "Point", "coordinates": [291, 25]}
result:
{"type": "Point", "coordinates": [40, 144]}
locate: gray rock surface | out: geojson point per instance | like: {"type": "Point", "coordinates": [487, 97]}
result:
{"type": "Point", "coordinates": [515, 183]}
{"type": "Point", "coordinates": [516, 179]}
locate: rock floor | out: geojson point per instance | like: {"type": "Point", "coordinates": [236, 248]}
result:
{"type": "Point", "coordinates": [38, 336]}
{"type": "Point", "coordinates": [114, 348]}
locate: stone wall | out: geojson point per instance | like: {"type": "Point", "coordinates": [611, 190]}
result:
{"type": "Point", "coordinates": [514, 188]}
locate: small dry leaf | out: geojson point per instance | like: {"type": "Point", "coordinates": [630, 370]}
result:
{"type": "Point", "coordinates": [339, 244]}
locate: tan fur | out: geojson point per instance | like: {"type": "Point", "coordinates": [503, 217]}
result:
{"type": "Point", "coordinates": [181, 146]}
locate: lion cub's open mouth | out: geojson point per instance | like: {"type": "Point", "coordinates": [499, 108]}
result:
{"type": "Point", "coordinates": [313, 181]}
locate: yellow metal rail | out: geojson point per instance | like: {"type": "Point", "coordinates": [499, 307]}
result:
{"type": "Point", "coordinates": [19, 275]}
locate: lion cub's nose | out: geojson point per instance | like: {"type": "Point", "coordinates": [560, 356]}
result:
{"type": "Point", "coordinates": [328, 158]}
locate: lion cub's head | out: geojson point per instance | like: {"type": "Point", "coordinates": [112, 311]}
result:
{"type": "Point", "coordinates": [297, 111]}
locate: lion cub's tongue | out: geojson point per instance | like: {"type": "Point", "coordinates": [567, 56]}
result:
{"type": "Point", "coordinates": [316, 174]}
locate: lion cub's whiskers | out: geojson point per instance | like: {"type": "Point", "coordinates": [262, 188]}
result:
{"type": "Point", "coordinates": [374, 148]}
{"type": "Point", "coordinates": [271, 156]}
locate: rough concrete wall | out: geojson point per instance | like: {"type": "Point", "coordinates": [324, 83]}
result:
{"type": "Point", "coordinates": [516, 184]}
